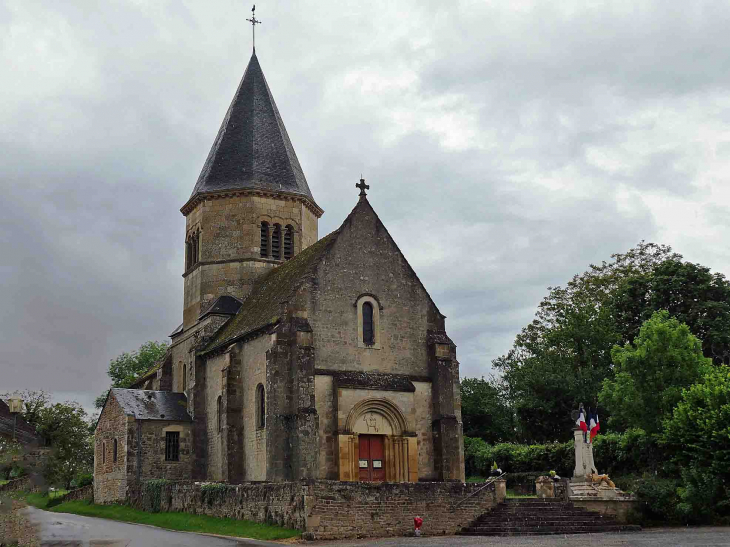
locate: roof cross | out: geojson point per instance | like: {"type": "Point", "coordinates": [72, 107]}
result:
{"type": "Point", "coordinates": [362, 186]}
{"type": "Point", "coordinates": [254, 22]}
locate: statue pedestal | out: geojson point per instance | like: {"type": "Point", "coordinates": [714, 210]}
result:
{"type": "Point", "coordinates": [583, 457]}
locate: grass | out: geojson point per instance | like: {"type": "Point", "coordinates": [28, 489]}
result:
{"type": "Point", "coordinates": [2, 481]}
{"type": "Point", "coordinates": [183, 522]}
{"type": "Point", "coordinates": [512, 494]}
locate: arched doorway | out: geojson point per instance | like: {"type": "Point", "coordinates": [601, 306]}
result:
{"type": "Point", "coordinates": [376, 446]}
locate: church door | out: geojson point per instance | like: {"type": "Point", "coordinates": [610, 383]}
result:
{"type": "Point", "coordinates": [372, 464]}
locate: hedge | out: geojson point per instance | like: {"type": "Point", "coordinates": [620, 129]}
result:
{"type": "Point", "coordinates": [616, 454]}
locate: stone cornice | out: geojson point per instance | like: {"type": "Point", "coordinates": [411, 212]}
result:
{"type": "Point", "coordinates": [283, 195]}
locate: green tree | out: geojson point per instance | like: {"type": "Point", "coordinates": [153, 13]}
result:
{"type": "Point", "coordinates": [563, 356]}
{"type": "Point", "coordinates": [651, 373]}
{"type": "Point", "coordinates": [485, 411]}
{"type": "Point", "coordinates": [128, 367]}
{"type": "Point", "coordinates": [698, 432]}
{"type": "Point", "coordinates": [689, 292]}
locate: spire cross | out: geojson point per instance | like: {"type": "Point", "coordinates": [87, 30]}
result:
{"type": "Point", "coordinates": [362, 187]}
{"type": "Point", "coordinates": [253, 22]}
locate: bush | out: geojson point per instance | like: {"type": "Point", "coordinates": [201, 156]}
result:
{"type": "Point", "coordinates": [82, 479]}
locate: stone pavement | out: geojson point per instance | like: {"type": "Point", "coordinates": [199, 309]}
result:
{"type": "Point", "coordinates": [655, 537]}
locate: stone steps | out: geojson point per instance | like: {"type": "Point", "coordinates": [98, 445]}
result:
{"type": "Point", "coordinates": [519, 517]}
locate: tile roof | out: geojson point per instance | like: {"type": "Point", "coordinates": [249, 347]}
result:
{"type": "Point", "coordinates": [252, 149]}
{"type": "Point", "coordinates": [153, 405]}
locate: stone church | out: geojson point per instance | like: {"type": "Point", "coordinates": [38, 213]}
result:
{"type": "Point", "coordinates": [297, 357]}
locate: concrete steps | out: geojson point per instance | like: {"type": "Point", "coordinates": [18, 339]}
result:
{"type": "Point", "coordinates": [531, 517]}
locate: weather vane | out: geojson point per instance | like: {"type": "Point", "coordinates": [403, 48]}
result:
{"type": "Point", "coordinates": [254, 22]}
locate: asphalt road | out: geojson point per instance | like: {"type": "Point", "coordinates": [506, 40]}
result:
{"type": "Point", "coordinates": [656, 537]}
{"type": "Point", "coordinates": [73, 530]}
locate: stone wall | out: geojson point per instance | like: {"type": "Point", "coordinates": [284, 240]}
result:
{"type": "Point", "coordinates": [331, 509]}
{"type": "Point", "coordinates": [230, 244]}
{"type": "Point", "coordinates": [253, 373]}
{"type": "Point", "coordinates": [23, 484]}
{"type": "Point", "coordinates": [110, 477]}
{"type": "Point", "coordinates": [83, 493]}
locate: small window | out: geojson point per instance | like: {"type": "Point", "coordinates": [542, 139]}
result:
{"type": "Point", "coordinates": [114, 452]}
{"type": "Point", "coordinates": [276, 242]}
{"type": "Point", "coordinates": [260, 406]}
{"type": "Point", "coordinates": [264, 239]}
{"type": "Point", "coordinates": [184, 368]}
{"type": "Point", "coordinates": [188, 255]}
{"type": "Point", "coordinates": [195, 249]}
{"type": "Point", "coordinates": [368, 332]}
{"type": "Point", "coordinates": [218, 412]}
{"type": "Point", "coordinates": [172, 446]}
{"type": "Point", "coordinates": [288, 242]}
{"type": "Point", "coordinates": [103, 452]}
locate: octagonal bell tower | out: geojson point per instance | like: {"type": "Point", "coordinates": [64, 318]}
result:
{"type": "Point", "coordinates": [251, 208]}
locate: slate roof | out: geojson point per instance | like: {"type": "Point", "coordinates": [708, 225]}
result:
{"type": "Point", "coordinates": [153, 405]}
{"type": "Point", "coordinates": [223, 305]}
{"type": "Point", "coordinates": [252, 149]}
{"type": "Point", "coordinates": [370, 380]}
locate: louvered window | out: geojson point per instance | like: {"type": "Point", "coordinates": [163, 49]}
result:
{"type": "Point", "coordinates": [288, 243]}
{"type": "Point", "coordinates": [264, 239]}
{"type": "Point", "coordinates": [276, 242]}
{"type": "Point", "coordinates": [368, 333]}
{"type": "Point", "coordinates": [172, 446]}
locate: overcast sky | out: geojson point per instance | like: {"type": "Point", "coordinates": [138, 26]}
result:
{"type": "Point", "coordinates": [507, 144]}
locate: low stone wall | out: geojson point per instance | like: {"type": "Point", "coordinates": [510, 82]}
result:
{"type": "Point", "coordinates": [621, 509]}
{"type": "Point", "coordinates": [83, 493]}
{"type": "Point", "coordinates": [351, 509]}
{"type": "Point", "coordinates": [331, 509]}
{"type": "Point", "coordinates": [280, 503]}
{"type": "Point", "coordinates": [24, 484]}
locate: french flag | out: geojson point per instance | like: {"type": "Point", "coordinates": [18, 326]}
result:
{"type": "Point", "coordinates": [594, 424]}
{"type": "Point", "coordinates": [581, 421]}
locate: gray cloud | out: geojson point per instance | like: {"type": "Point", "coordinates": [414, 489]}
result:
{"type": "Point", "coordinates": [508, 146]}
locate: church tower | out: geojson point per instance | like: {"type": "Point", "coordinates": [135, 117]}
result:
{"type": "Point", "coordinates": [251, 208]}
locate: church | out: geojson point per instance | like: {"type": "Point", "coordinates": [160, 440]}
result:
{"type": "Point", "coordinates": [298, 357]}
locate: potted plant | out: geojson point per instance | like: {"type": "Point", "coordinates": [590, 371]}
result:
{"type": "Point", "coordinates": [495, 471]}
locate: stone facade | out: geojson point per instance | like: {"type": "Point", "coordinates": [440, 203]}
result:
{"type": "Point", "coordinates": [140, 452]}
{"type": "Point", "coordinates": [318, 367]}
{"type": "Point", "coordinates": [332, 509]}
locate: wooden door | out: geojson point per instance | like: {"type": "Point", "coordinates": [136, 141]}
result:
{"type": "Point", "coordinates": [371, 461]}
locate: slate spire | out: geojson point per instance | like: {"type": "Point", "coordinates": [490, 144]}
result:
{"type": "Point", "coordinates": [252, 149]}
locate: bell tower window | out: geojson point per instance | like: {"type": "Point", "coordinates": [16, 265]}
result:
{"type": "Point", "coordinates": [264, 240]}
{"type": "Point", "coordinates": [288, 242]}
{"type": "Point", "coordinates": [276, 242]}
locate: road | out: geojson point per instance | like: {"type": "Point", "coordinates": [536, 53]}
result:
{"type": "Point", "coordinates": [657, 537]}
{"type": "Point", "coordinates": [74, 530]}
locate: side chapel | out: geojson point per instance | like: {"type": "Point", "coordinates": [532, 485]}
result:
{"type": "Point", "coordinates": [297, 357]}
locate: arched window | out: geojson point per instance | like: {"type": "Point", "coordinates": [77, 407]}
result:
{"type": "Point", "coordinates": [264, 240]}
{"type": "Point", "coordinates": [368, 332]}
{"type": "Point", "coordinates": [368, 321]}
{"type": "Point", "coordinates": [260, 406]}
{"type": "Point", "coordinates": [184, 368]}
{"type": "Point", "coordinates": [276, 242]}
{"type": "Point", "coordinates": [188, 255]}
{"type": "Point", "coordinates": [103, 452]}
{"type": "Point", "coordinates": [219, 403]}
{"type": "Point", "coordinates": [114, 453]}
{"type": "Point", "coordinates": [288, 242]}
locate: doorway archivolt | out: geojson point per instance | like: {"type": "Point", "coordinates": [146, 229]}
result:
{"type": "Point", "coordinates": [378, 416]}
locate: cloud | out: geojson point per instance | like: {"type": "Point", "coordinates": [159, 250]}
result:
{"type": "Point", "coordinates": [507, 145]}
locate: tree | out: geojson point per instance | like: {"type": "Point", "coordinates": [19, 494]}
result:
{"type": "Point", "coordinates": [698, 432]}
{"type": "Point", "coordinates": [67, 431]}
{"type": "Point", "coordinates": [689, 292]}
{"type": "Point", "coordinates": [651, 373]}
{"type": "Point", "coordinates": [66, 428]}
{"type": "Point", "coordinates": [485, 411]}
{"type": "Point", "coordinates": [128, 367]}
{"type": "Point", "coordinates": [563, 356]}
